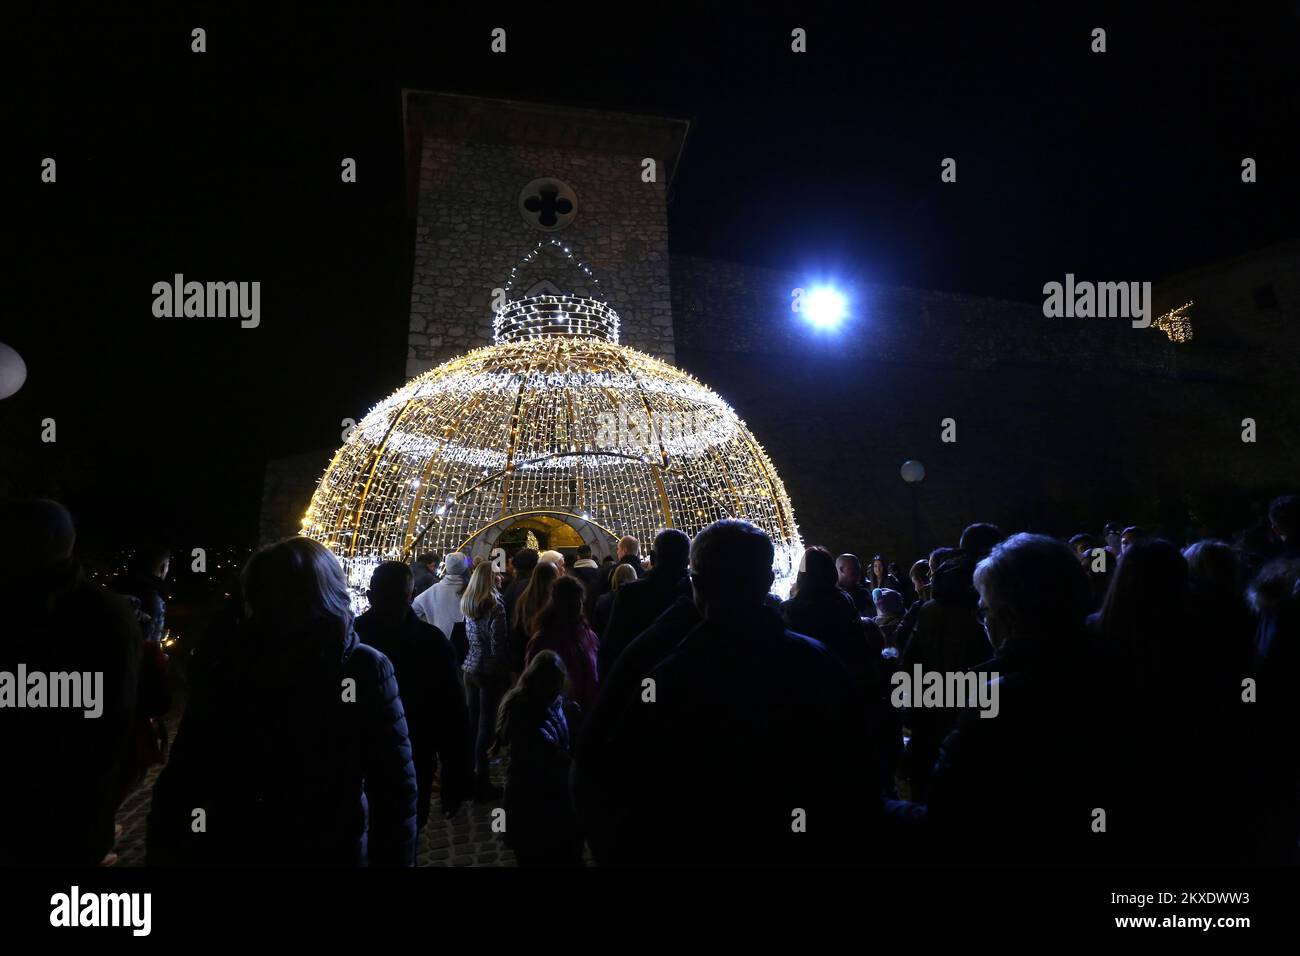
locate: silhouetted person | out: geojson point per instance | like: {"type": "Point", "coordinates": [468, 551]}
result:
{"type": "Point", "coordinates": [1131, 536]}
{"type": "Point", "coordinates": [623, 574]}
{"type": "Point", "coordinates": [62, 767]}
{"type": "Point", "coordinates": [638, 603]}
{"type": "Point", "coordinates": [821, 610]}
{"type": "Point", "coordinates": [979, 539]}
{"type": "Point", "coordinates": [440, 604]}
{"type": "Point", "coordinates": [744, 703]}
{"type": "Point", "coordinates": [294, 746]}
{"type": "Point", "coordinates": [948, 638]}
{"type": "Point", "coordinates": [523, 616]}
{"type": "Point", "coordinates": [423, 574]}
{"type": "Point", "coordinates": [889, 614]}
{"type": "Point", "coordinates": [562, 627]}
{"type": "Point", "coordinates": [849, 571]}
{"type": "Point", "coordinates": [627, 551]}
{"type": "Point", "coordinates": [144, 588]}
{"type": "Point", "coordinates": [425, 666]}
{"type": "Point", "coordinates": [1165, 682]}
{"type": "Point", "coordinates": [523, 562]}
{"type": "Point", "coordinates": [1217, 587]}
{"type": "Point", "coordinates": [1275, 597]}
{"type": "Point", "coordinates": [533, 727]}
{"type": "Point", "coordinates": [907, 625]}
{"type": "Point", "coordinates": [1020, 787]}
{"type": "Point", "coordinates": [587, 571]}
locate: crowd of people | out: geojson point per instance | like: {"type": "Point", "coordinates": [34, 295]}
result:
{"type": "Point", "coordinates": [670, 709]}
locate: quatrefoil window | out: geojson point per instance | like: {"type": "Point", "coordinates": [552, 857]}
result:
{"type": "Point", "coordinates": [548, 204]}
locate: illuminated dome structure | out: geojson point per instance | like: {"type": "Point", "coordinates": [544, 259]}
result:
{"type": "Point", "coordinates": [555, 431]}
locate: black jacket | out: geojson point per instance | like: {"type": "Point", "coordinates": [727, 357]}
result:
{"type": "Point", "coordinates": [742, 707]}
{"type": "Point", "coordinates": [600, 767]}
{"type": "Point", "coordinates": [1020, 788]}
{"type": "Point", "coordinates": [436, 717]}
{"type": "Point", "coordinates": [541, 826]}
{"type": "Point", "coordinates": [827, 615]}
{"type": "Point", "coordinates": [62, 769]}
{"type": "Point", "coordinates": [296, 749]}
{"type": "Point", "coordinates": [635, 607]}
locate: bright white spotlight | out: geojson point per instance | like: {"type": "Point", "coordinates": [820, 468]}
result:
{"type": "Point", "coordinates": [824, 307]}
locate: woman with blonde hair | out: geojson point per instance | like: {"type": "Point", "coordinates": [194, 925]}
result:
{"type": "Point", "coordinates": [487, 671]}
{"type": "Point", "coordinates": [526, 609]}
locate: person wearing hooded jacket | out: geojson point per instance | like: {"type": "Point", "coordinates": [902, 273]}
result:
{"type": "Point", "coordinates": [294, 749]}
{"type": "Point", "coordinates": [439, 605]}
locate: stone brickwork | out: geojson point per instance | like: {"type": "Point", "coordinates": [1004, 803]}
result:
{"type": "Point", "coordinates": [471, 159]}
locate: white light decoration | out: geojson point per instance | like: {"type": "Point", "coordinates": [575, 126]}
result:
{"type": "Point", "coordinates": [525, 427]}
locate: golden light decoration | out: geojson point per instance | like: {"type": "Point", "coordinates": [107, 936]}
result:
{"type": "Point", "coordinates": [1176, 323]}
{"type": "Point", "coordinates": [556, 418]}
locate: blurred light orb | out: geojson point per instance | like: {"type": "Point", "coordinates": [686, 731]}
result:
{"type": "Point", "coordinates": [912, 471]}
{"type": "Point", "coordinates": [13, 371]}
{"type": "Point", "coordinates": [825, 308]}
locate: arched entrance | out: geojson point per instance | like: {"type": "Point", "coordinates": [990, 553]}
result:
{"type": "Point", "coordinates": [550, 530]}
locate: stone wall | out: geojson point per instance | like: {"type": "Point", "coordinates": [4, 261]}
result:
{"type": "Point", "coordinates": [472, 159]}
{"type": "Point", "coordinates": [1060, 424]}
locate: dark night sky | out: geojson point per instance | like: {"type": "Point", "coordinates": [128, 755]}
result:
{"type": "Point", "coordinates": [225, 166]}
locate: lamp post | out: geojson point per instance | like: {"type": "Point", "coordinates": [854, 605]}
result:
{"type": "Point", "coordinates": [913, 472]}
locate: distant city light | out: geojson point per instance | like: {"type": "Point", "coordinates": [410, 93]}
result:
{"type": "Point", "coordinates": [824, 307]}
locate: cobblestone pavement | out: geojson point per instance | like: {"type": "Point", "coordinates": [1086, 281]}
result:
{"type": "Point", "coordinates": [464, 840]}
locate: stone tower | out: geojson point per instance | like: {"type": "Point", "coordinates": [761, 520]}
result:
{"type": "Point", "coordinates": [487, 179]}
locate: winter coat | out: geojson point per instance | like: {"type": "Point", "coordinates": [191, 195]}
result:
{"type": "Point", "coordinates": [1020, 788]}
{"type": "Point", "coordinates": [433, 700]}
{"type": "Point", "coordinates": [488, 635]}
{"type": "Point", "coordinates": [578, 651]}
{"type": "Point", "coordinates": [948, 638]}
{"type": "Point", "coordinates": [543, 828]}
{"type": "Point", "coordinates": [296, 749]}
{"type": "Point", "coordinates": [828, 616]}
{"type": "Point", "coordinates": [634, 607]}
{"type": "Point", "coordinates": [440, 604]}
{"type": "Point", "coordinates": [745, 705]}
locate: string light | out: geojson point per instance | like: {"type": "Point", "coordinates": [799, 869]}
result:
{"type": "Point", "coordinates": [522, 427]}
{"type": "Point", "coordinates": [1176, 324]}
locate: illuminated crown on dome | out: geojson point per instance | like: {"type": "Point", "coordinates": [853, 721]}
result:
{"type": "Point", "coordinates": [554, 422]}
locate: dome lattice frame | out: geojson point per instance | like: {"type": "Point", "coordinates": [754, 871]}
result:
{"type": "Point", "coordinates": [558, 419]}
